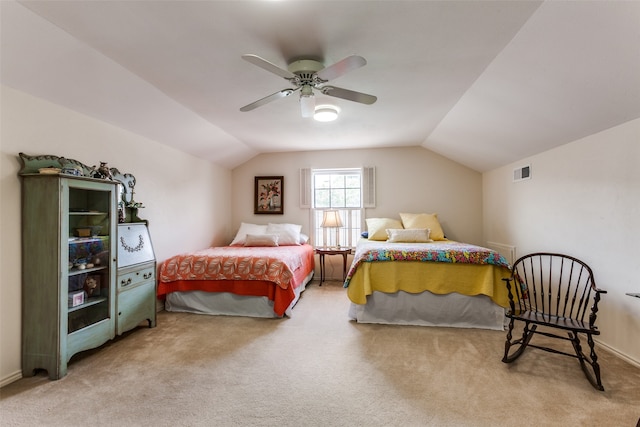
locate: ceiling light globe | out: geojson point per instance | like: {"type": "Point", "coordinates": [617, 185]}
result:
{"type": "Point", "coordinates": [325, 114]}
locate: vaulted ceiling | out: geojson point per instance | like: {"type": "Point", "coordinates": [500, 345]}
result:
{"type": "Point", "coordinates": [484, 83]}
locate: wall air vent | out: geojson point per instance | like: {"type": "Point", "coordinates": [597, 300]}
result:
{"type": "Point", "coordinates": [522, 173]}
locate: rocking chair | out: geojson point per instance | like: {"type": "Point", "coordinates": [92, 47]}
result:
{"type": "Point", "coordinates": [554, 291]}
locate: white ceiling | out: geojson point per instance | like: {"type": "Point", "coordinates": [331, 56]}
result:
{"type": "Point", "coordinates": [484, 83]}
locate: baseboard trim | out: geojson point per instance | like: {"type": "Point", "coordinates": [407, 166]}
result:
{"type": "Point", "coordinates": [11, 378]}
{"type": "Point", "coordinates": [619, 354]}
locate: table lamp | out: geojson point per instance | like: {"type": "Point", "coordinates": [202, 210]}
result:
{"type": "Point", "coordinates": [331, 219]}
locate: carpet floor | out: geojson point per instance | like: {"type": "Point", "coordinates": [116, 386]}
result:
{"type": "Point", "coordinates": [317, 368]}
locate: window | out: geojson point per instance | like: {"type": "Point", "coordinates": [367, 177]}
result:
{"type": "Point", "coordinates": [341, 190]}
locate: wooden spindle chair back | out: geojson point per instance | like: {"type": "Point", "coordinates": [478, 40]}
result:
{"type": "Point", "coordinates": [559, 292]}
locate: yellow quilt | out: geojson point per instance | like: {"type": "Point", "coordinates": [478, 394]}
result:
{"type": "Point", "coordinates": [438, 267]}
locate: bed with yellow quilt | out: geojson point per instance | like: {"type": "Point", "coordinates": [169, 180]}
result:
{"type": "Point", "coordinates": [431, 283]}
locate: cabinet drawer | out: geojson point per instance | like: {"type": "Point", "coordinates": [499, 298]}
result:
{"type": "Point", "coordinates": [135, 277]}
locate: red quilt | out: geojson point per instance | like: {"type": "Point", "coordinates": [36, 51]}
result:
{"type": "Point", "coordinates": [274, 272]}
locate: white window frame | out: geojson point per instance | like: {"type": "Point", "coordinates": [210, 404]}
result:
{"type": "Point", "coordinates": [352, 217]}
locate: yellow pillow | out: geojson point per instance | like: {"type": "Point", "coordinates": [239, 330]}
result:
{"type": "Point", "coordinates": [423, 220]}
{"type": "Point", "coordinates": [377, 227]}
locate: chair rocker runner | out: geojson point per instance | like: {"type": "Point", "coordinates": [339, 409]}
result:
{"type": "Point", "coordinates": [558, 292]}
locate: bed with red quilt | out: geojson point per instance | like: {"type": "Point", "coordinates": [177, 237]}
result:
{"type": "Point", "coordinates": [255, 281]}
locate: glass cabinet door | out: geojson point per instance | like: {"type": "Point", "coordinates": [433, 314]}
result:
{"type": "Point", "coordinates": [89, 292]}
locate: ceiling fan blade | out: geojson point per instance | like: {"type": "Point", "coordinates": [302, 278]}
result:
{"type": "Point", "coordinates": [349, 95]}
{"type": "Point", "coordinates": [267, 99]}
{"type": "Point", "coordinates": [341, 67]}
{"type": "Point", "coordinates": [266, 65]}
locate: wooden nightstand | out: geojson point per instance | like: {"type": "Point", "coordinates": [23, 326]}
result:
{"type": "Point", "coordinates": [333, 251]}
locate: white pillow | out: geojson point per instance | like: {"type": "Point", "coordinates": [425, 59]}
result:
{"type": "Point", "coordinates": [303, 238]}
{"type": "Point", "coordinates": [288, 234]}
{"type": "Point", "coordinates": [261, 240]}
{"type": "Point", "coordinates": [409, 235]}
{"type": "Point", "coordinates": [245, 229]}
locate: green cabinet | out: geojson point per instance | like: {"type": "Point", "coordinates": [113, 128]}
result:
{"type": "Point", "coordinates": [69, 262]}
{"type": "Point", "coordinates": [85, 277]}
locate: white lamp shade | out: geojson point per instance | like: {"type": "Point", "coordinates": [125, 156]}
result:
{"type": "Point", "coordinates": [331, 219]}
{"type": "Point", "coordinates": [307, 105]}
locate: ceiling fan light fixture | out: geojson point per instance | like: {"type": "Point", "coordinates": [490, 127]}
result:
{"type": "Point", "coordinates": [307, 105]}
{"type": "Point", "coordinates": [326, 113]}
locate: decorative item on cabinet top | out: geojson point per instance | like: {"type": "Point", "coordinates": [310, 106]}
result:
{"type": "Point", "coordinates": [55, 165]}
{"type": "Point", "coordinates": [50, 164]}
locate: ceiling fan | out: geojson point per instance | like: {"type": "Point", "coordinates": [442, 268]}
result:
{"type": "Point", "coordinates": [306, 75]}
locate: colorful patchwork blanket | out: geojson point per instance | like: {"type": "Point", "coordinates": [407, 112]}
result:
{"type": "Point", "coordinates": [439, 251]}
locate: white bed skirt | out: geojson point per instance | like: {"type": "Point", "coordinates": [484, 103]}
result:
{"type": "Point", "coordinates": [226, 303]}
{"type": "Point", "coordinates": [428, 309]}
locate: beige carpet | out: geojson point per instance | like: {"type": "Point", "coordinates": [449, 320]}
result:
{"type": "Point", "coordinates": [319, 369]}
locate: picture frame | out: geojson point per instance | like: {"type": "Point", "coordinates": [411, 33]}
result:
{"type": "Point", "coordinates": [92, 286]}
{"type": "Point", "coordinates": [269, 195]}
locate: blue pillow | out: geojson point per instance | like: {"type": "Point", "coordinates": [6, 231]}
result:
{"type": "Point", "coordinates": [365, 234]}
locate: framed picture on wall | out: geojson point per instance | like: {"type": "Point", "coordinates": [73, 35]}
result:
{"type": "Point", "coordinates": [269, 192]}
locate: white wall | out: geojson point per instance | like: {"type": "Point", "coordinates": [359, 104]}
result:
{"type": "Point", "coordinates": [410, 179]}
{"type": "Point", "coordinates": [181, 193]}
{"type": "Point", "coordinates": [583, 200]}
